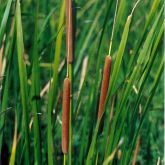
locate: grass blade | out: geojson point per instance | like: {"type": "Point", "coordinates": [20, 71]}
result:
{"type": "Point", "coordinates": [4, 20]}
{"type": "Point", "coordinates": [23, 79]}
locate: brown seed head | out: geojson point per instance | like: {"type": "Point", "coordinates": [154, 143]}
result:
{"type": "Point", "coordinates": [105, 84]}
{"type": "Point", "coordinates": [69, 31]}
{"type": "Point", "coordinates": [65, 115]}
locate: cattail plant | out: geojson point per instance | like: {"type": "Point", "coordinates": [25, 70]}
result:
{"type": "Point", "coordinates": [106, 72]}
{"type": "Point", "coordinates": [69, 54]}
{"type": "Point", "coordinates": [65, 115]}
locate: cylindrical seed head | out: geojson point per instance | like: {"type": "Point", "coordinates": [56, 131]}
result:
{"type": "Point", "coordinates": [65, 115]}
{"type": "Point", "coordinates": [105, 84]}
{"type": "Point", "coordinates": [69, 31]}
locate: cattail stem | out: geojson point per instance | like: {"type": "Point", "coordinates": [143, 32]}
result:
{"type": "Point", "coordinates": [105, 84]}
{"type": "Point", "coordinates": [64, 162]}
{"type": "Point", "coordinates": [65, 115]}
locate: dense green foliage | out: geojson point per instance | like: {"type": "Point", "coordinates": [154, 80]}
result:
{"type": "Point", "coordinates": [33, 56]}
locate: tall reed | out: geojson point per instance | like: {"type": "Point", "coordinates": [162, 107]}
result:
{"type": "Point", "coordinates": [106, 72]}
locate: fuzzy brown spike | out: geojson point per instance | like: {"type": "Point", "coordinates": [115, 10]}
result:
{"type": "Point", "coordinates": [69, 31]}
{"type": "Point", "coordinates": [105, 84]}
{"type": "Point", "coordinates": [65, 115]}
